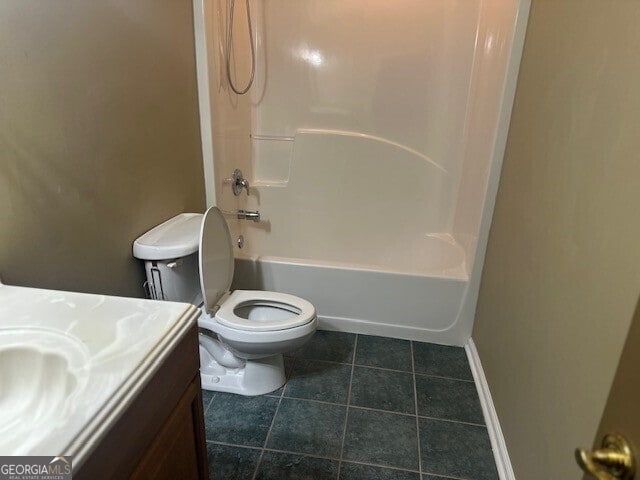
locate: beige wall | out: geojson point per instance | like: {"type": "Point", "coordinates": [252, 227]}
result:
{"type": "Point", "coordinates": [99, 137]}
{"type": "Point", "coordinates": [562, 273]}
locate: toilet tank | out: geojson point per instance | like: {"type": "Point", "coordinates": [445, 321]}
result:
{"type": "Point", "coordinates": [170, 254]}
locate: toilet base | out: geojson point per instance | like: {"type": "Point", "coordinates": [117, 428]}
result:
{"type": "Point", "coordinates": [256, 377]}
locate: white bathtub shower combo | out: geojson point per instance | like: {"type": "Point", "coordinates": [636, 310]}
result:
{"type": "Point", "coordinates": [370, 141]}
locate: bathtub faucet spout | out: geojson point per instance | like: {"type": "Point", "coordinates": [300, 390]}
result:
{"type": "Point", "coordinates": [249, 215]}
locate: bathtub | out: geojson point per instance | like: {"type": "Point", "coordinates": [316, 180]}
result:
{"type": "Point", "coordinates": [416, 296]}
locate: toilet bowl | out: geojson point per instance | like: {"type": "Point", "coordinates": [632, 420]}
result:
{"type": "Point", "coordinates": [244, 333]}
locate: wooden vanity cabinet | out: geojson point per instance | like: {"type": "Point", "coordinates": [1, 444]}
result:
{"type": "Point", "coordinates": [161, 435]}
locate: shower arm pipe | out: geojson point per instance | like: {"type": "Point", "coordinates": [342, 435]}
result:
{"type": "Point", "coordinates": [239, 91]}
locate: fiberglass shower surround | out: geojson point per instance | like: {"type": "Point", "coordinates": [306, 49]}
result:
{"type": "Point", "coordinates": [368, 135]}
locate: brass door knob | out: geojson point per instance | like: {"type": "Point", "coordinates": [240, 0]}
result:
{"type": "Point", "coordinates": [614, 461]}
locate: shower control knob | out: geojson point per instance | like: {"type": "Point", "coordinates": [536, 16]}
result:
{"type": "Point", "coordinates": [238, 182]}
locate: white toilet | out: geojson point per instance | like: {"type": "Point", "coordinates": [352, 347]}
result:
{"type": "Point", "coordinates": [243, 334]}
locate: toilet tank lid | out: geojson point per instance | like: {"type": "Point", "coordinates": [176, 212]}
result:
{"type": "Point", "coordinates": [177, 237]}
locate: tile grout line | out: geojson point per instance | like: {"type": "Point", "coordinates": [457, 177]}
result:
{"type": "Point", "coordinates": [446, 477]}
{"type": "Point", "coordinates": [452, 421]}
{"type": "Point", "coordinates": [370, 409]}
{"type": "Point", "coordinates": [311, 359]}
{"type": "Point", "coordinates": [444, 378]}
{"type": "Point", "coordinates": [316, 401]}
{"type": "Point", "coordinates": [383, 368]}
{"type": "Point", "coordinates": [392, 412]}
{"type": "Point", "coordinates": [234, 445]}
{"type": "Point", "coordinates": [408, 372]}
{"type": "Point", "coordinates": [273, 421]}
{"type": "Point", "coordinates": [358, 407]}
{"type": "Point", "coordinates": [320, 457]}
{"type": "Point", "coordinates": [379, 465]}
{"type": "Point", "coordinates": [206, 409]}
{"type": "Point", "coordinates": [346, 416]}
{"type": "Point", "coordinates": [415, 401]}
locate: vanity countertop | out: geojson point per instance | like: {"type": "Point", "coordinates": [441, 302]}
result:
{"type": "Point", "coordinates": [71, 363]}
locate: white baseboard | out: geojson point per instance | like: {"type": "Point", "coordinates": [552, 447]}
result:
{"type": "Point", "coordinates": [500, 453]}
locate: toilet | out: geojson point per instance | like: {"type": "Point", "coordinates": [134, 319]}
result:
{"type": "Point", "coordinates": [243, 334]}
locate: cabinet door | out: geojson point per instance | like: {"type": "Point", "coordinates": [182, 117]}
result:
{"type": "Point", "coordinates": [178, 450]}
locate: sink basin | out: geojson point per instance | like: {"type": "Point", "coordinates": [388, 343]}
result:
{"type": "Point", "coordinates": [41, 373]}
{"type": "Point", "coordinates": [72, 363]}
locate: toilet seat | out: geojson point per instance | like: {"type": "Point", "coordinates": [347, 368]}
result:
{"type": "Point", "coordinates": [243, 311]}
{"type": "Point", "coordinates": [260, 311]}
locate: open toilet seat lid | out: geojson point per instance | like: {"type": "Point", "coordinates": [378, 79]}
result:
{"type": "Point", "coordinates": [302, 311]}
{"type": "Point", "coordinates": [216, 258]}
{"type": "Point", "coordinates": [216, 274]}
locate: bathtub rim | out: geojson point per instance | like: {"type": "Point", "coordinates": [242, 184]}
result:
{"type": "Point", "coordinates": [328, 264]}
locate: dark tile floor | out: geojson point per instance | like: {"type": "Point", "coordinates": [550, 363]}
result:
{"type": "Point", "coordinates": [355, 407]}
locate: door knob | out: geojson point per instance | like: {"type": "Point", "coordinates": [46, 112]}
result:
{"type": "Point", "coordinates": [614, 461]}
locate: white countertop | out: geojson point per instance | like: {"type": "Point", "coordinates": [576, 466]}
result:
{"type": "Point", "coordinates": [71, 363]}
